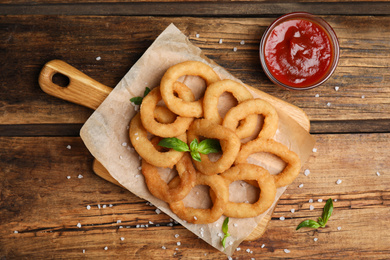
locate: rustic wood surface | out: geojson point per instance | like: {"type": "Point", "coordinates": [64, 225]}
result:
{"type": "Point", "coordinates": [40, 206]}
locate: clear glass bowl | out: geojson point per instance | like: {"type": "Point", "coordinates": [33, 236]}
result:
{"type": "Point", "coordinates": [318, 21]}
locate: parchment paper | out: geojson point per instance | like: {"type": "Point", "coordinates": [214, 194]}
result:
{"type": "Point", "coordinates": [106, 136]}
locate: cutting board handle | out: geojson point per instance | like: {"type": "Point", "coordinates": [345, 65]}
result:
{"type": "Point", "coordinates": [81, 89]}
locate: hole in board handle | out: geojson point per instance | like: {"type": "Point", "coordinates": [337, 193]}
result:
{"type": "Point", "coordinates": [60, 80]}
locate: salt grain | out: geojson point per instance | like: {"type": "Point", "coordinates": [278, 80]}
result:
{"type": "Point", "coordinates": [104, 206]}
{"type": "Point", "coordinates": [311, 207]}
{"type": "Point", "coordinates": [292, 210]}
{"type": "Point", "coordinates": [307, 172]}
{"type": "Point", "coordinates": [178, 243]}
{"type": "Point", "coordinates": [98, 206]}
{"type": "Point", "coordinates": [195, 218]}
{"type": "Point", "coordinates": [83, 251]}
{"type": "Point", "coordinates": [235, 49]}
{"type": "Point", "coordinates": [242, 42]}
{"type": "Point", "coordinates": [68, 177]}
{"type": "Point", "coordinates": [220, 41]}
{"type": "Point", "coordinates": [163, 247]}
{"type": "Point", "coordinates": [378, 174]}
{"type": "Point", "coordinates": [88, 207]}
{"type": "Point", "coordinates": [151, 223]}
{"type": "Point", "coordinates": [319, 200]}
{"type": "Point", "coordinates": [106, 248]}
{"type": "Point", "coordinates": [363, 96]}
{"type": "Point", "coordinates": [177, 235]}
{"type": "Point", "coordinates": [158, 211]}
{"type": "Point", "coordinates": [197, 35]}
{"type": "Point", "coordinates": [69, 147]}
{"type": "Point", "coordinates": [230, 243]}
{"type": "Point", "coordinates": [98, 58]}
{"type": "Point", "coordinates": [300, 185]}
{"type": "Point", "coordinates": [80, 176]}
{"type": "Point", "coordinates": [336, 88]}
{"type": "Point", "coordinates": [317, 95]}
{"type": "Point", "coordinates": [282, 218]}
{"type": "Point", "coordinates": [124, 144]}
{"type": "Point", "coordinates": [339, 181]}
{"type": "Point", "coordinates": [286, 251]}
{"type": "Point", "coordinates": [119, 221]}
{"type": "Point", "coordinates": [238, 248]}
{"type": "Point", "coordinates": [235, 225]}
{"type": "Point", "coordinates": [314, 150]}
{"type": "Point", "coordinates": [16, 231]}
{"type": "Point", "coordinates": [328, 104]}
{"type": "Point", "coordinates": [338, 228]}
{"type": "Point", "coordinates": [122, 238]}
{"type": "Point", "coordinates": [78, 225]}
{"type": "Point", "coordinates": [310, 200]}
{"type": "Point", "coordinates": [315, 239]}
{"type": "Point", "coordinates": [263, 245]}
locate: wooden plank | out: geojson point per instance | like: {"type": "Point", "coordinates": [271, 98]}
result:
{"type": "Point", "coordinates": [195, 8]}
{"type": "Point", "coordinates": [79, 40]}
{"type": "Point", "coordinates": [39, 202]}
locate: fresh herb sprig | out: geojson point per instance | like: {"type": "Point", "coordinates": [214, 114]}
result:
{"type": "Point", "coordinates": [225, 227]}
{"type": "Point", "coordinates": [205, 147]}
{"type": "Point", "coordinates": [138, 100]}
{"type": "Point", "coordinates": [321, 223]}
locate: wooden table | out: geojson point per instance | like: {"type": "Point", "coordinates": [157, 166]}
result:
{"type": "Point", "coordinates": [46, 178]}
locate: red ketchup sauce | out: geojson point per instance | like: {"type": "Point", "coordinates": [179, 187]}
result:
{"type": "Point", "coordinates": [298, 52]}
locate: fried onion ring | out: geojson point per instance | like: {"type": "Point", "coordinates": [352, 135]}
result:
{"type": "Point", "coordinates": [265, 181]}
{"type": "Point", "coordinates": [210, 104]}
{"type": "Point", "coordinates": [176, 104]}
{"type": "Point", "coordinates": [160, 189]}
{"type": "Point", "coordinates": [288, 174]}
{"type": "Point", "coordinates": [149, 103]}
{"type": "Point", "coordinates": [253, 107]}
{"type": "Point", "coordinates": [203, 216]}
{"type": "Point", "coordinates": [230, 144]}
{"type": "Point", "coordinates": [139, 139]}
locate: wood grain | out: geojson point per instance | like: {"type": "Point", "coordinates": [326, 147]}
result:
{"type": "Point", "coordinates": [80, 40]}
{"type": "Point", "coordinates": [39, 202]}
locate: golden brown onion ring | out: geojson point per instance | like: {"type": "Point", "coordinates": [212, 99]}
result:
{"type": "Point", "coordinates": [288, 174]}
{"type": "Point", "coordinates": [253, 107]}
{"type": "Point", "coordinates": [203, 216]}
{"type": "Point", "coordinates": [160, 188]}
{"type": "Point", "coordinates": [230, 144]}
{"type": "Point", "coordinates": [139, 139]}
{"type": "Point", "coordinates": [149, 103]}
{"type": "Point", "coordinates": [264, 180]}
{"type": "Point", "coordinates": [240, 93]}
{"type": "Point", "coordinates": [176, 104]}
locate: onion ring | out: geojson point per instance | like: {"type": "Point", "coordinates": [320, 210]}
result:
{"type": "Point", "coordinates": [229, 141]}
{"type": "Point", "coordinates": [160, 188]}
{"type": "Point", "coordinates": [264, 180]}
{"type": "Point", "coordinates": [139, 139]}
{"type": "Point", "coordinates": [178, 105]}
{"type": "Point", "coordinates": [149, 103]}
{"type": "Point", "coordinates": [288, 174]}
{"type": "Point", "coordinates": [253, 107]}
{"type": "Point", "coordinates": [203, 216]}
{"type": "Point", "coordinates": [210, 104]}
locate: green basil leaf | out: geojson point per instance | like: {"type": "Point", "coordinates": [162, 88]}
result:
{"type": "Point", "coordinates": [224, 239]}
{"type": "Point", "coordinates": [174, 143]}
{"type": "Point", "coordinates": [328, 209]}
{"type": "Point", "coordinates": [209, 146]}
{"type": "Point", "coordinates": [194, 145]}
{"type": "Point", "coordinates": [225, 225]}
{"type": "Point", "coordinates": [136, 100]}
{"type": "Point", "coordinates": [147, 90]}
{"type": "Point", "coordinates": [321, 222]}
{"type": "Point", "coordinates": [308, 223]}
{"type": "Point", "coordinates": [196, 156]}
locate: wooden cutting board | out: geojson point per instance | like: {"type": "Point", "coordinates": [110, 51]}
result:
{"type": "Point", "coordinates": [86, 91]}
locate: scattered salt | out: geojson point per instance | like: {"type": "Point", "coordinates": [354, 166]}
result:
{"type": "Point", "coordinates": [310, 200]}
{"type": "Point", "coordinates": [328, 104]}
{"type": "Point", "coordinates": [122, 238]}
{"type": "Point", "coordinates": [238, 248]}
{"type": "Point", "coordinates": [177, 235]}
{"type": "Point", "coordinates": [317, 95]}
{"type": "Point", "coordinates": [163, 247]}
{"type": "Point", "coordinates": [88, 207]}
{"type": "Point", "coordinates": [178, 243]}
{"type": "Point", "coordinates": [106, 248]}
{"type": "Point", "coordinates": [220, 41]}
{"type": "Point", "coordinates": [363, 96]}
{"type": "Point", "coordinates": [197, 35]}
{"type": "Point", "coordinates": [235, 49]}
{"type": "Point", "coordinates": [378, 174]}
{"type": "Point", "coordinates": [104, 206]}
{"type": "Point", "coordinates": [119, 221]}
{"type": "Point", "coordinates": [78, 225]}
{"type": "Point", "coordinates": [83, 251]}
{"type": "Point", "coordinates": [195, 218]}
{"type": "Point", "coordinates": [314, 150]}
{"type": "Point", "coordinates": [286, 251]}
{"type": "Point", "coordinates": [242, 42]}
{"type": "Point", "coordinates": [307, 172]}
{"type": "Point", "coordinates": [282, 218]}
{"type": "Point", "coordinates": [98, 58]}
{"type": "Point", "coordinates": [311, 207]}
{"type": "Point", "coordinates": [124, 144]}
{"type": "Point", "coordinates": [292, 210]}
{"type": "Point", "coordinates": [319, 200]}
{"type": "Point", "coordinates": [69, 147]}
{"type": "Point", "coordinates": [338, 228]}
{"type": "Point", "coordinates": [315, 239]}
{"type": "Point", "coordinates": [336, 88]}
{"type": "Point", "coordinates": [339, 181]}
{"type": "Point", "coordinates": [80, 176]}
{"type": "Point", "coordinates": [68, 177]}
{"type": "Point", "coordinates": [263, 245]}
{"type": "Point", "coordinates": [235, 225]}
{"type": "Point", "coordinates": [300, 185]}
{"type": "Point", "coordinates": [158, 211]}
{"type": "Point", "coordinates": [16, 231]}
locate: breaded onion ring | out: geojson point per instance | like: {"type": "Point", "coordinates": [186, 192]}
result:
{"type": "Point", "coordinates": [160, 188]}
{"type": "Point", "coordinates": [288, 174]}
{"type": "Point", "coordinates": [203, 216]}
{"type": "Point", "coordinates": [230, 144]}
{"type": "Point", "coordinates": [253, 107]}
{"type": "Point", "coordinates": [265, 181]}
{"type": "Point", "coordinates": [139, 140]}
{"type": "Point", "coordinates": [210, 104]}
{"type": "Point", "coordinates": [149, 103]}
{"type": "Point", "coordinates": [176, 104]}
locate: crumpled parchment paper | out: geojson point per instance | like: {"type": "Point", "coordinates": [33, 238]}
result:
{"type": "Point", "coordinates": [106, 136]}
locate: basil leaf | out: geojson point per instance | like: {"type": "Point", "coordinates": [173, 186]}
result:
{"type": "Point", "coordinates": [209, 146]}
{"type": "Point", "coordinates": [224, 240]}
{"type": "Point", "coordinates": [321, 222]}
{"type": "Point", "coordinates": [174, 143]}
{"type": "Point", "coordinates": [196, 156]}
{"type": "Point", "coordinates": [147, 90]}
{"type": "Point", "coordinates": [328, 209]}
{"type": "Point", "coordinates": [225, 226]}
{"type": "Point", "coordinates": [136, 100]}
{"type": "Point", "coordinates": [194, 145]}
{"type": "Point", "coordinates": [308, 223]}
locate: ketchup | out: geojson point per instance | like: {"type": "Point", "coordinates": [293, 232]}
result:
{"type": "Point", "coordinates": [298, 52]}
